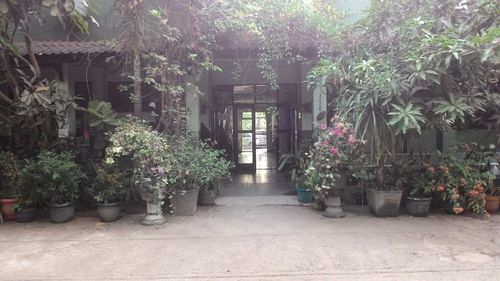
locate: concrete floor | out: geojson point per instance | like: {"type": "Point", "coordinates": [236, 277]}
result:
{"type": "Point", "coordinates": [254, 238]}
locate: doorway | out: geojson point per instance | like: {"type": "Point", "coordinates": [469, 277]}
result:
{"type": "Point", "coordinates": [255, 124]}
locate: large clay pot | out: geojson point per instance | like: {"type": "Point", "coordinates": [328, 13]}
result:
{"type": "Point", "coordinates": [109, 212]}
{"type": "Point", "coordinates": [384, 203]}
{"type": "Point", "coordinates": [492, 203]}
{"type": "Point", "coordinates": [8, 208]}
{"type": "Point", "coordinates": [418, 207]}
{"type": "Point", "coordinates": [184, 202]}
{"type": "Point", "coordinates": [60, 213]}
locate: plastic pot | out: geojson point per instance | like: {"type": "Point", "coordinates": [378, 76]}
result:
{"type": "Point", "coordinates": [304, 195]}
{"type": "Point", "coordinates": [109, 212]}
{"type": "Point", "coordinates": [384, 203]}
{"type": "Point", "coordinates": [418, 207]}
{"type": "Point", "coordinates": [184, 202]}
{"type": "Point", "coordinates": [207, 197]}
{"type": "Point", "coordinates": [492, 203]}
{"type": "Point", "coordinates": [26, 215]}
{"type": "Point", "coordinates": [60, 213]}
{"type": "Point", "coordinates": [8, 208]}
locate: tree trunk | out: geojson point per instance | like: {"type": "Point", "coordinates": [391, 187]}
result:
{"type": "Point", "coordinates": [137, 85]}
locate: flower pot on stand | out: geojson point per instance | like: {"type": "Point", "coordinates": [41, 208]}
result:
{"type": "Point", "coordinates": [184, 202]}
{"type": "Point", "coordinates": [207, 197]}
{"type": "Point", "coordinates": [109, 212]}
{"type": "Point", "coordinates": [8, 208]}
{"type": "Point", "coordinates": [61, 213]}
{"type": "Point", "coordinates": [334, 205]}
{"type": "Point", "coordinates": [154, 212]}
{"type": "Point", "coordinates": [418, 207]}
{"type": "Point", "coordinates": [384, 203]}
{"type": "Point", "coordinates": [492, 203]}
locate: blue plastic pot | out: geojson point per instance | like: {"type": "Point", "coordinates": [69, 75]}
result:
{"type": "Point", "coordinates": [304, 195]}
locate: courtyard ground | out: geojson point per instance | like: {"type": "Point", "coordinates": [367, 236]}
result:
{"type": "Point", "coordinates": [254, 238]}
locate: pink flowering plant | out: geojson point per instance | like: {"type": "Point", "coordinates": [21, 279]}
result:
{"type": "Point", "coordinates": [336, 151]}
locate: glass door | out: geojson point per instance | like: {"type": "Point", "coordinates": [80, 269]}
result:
{"type": "Point", "coordinates": [244, 140]}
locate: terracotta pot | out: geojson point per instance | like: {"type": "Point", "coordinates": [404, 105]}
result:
{"type": "Point", "coordinates": [8, 208]}
{"type": "Point", "coordinates": [492, 203]}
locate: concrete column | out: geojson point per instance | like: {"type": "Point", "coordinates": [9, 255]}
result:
{"type": "Point", "coordinates": [319, 107]}
{"type": "Point", "coordinates": [64, 86]}
{"type": "Point", "coordinates": [193, 106]}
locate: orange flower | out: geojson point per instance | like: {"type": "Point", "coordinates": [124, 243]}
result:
{"type": "Point", "coordinates": [458, 210]}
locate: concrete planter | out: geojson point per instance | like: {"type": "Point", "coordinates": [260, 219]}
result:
{"type": "Point", "coordinates": [418, 207]}
{"type": "Point", "coordinates": [109, 212]}
{"type": "Point", "coordinates": [384, 203]}
{"type": "Point", "coordinates": [26, 215]}
{"type": "Point", "coordinates": [207, 197]}
{"type": "Point", "coordinates": [184, 202]}
{"type": "Point", "coordinates": [61, 213]}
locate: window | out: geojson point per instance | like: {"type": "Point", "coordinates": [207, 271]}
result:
{"type": "Point", "coordinates": [119, 96]}
{"type": "Point", "coordinates": [82, 90]}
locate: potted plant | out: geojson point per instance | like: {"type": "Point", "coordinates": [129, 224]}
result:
{"type": "Point", "coordinates": [198, 172]}
{"type": "Point", "coordinates": [216, 173]}
{"type": "Point", "coordinates": [57, 177]}
{"type": "Point", "coordinates": [335, 152]}
{"type": "Point", "coordinates": [420, 179]}
{"type": "Point", "coordinates": [492, 198]}
{"type": "Point", "coordinates": [30, 196]}
{"type": "Point", "coordinates": [110, 189]}
{"type": "Point", "coordinates": [9, 183]}
{"type": "Point", "coordinates": [153, 163]}
{"type": "Point", "coordinates": [296, 165]}
{"type": "Point", "coordinates": [459, 181]}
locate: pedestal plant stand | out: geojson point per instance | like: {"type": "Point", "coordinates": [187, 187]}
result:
{"type": "Point", "coordinates": [334, 205]}
{"type": "Point", "coordinates": [154, 212]}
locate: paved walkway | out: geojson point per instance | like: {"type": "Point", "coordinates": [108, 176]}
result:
{"type": "Point", "coordinates": [254, 238]}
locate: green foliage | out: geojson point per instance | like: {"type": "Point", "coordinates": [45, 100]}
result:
{"type": "Point", "coordinates": [53, 178]}
{"type": "Point", "coordinates": [9, 175]}
{"type": "Point", "coordinates": [417, 174]}
{"type": "Point", "coordinates": [413, 65]}
{"type": "Point", "coordinates": [101, 114]}
{"type": "Point", "coordinates": [199, 165]}
{"type": "Point", "coordinates": [405, 118]}
{"type": "Point", "coordinates": [109, 185]}
{"type": "Point", "coordinates": [154, 164]}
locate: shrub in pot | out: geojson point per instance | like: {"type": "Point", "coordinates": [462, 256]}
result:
{"type": "Point", "coordinates": [459, 181]}
{"type": "Point", "coordinates": [492, 198]}
{"type": "Point", "coordinates": [384, 199]}
{"type": "Point", "coordinates": [110, 189]}
{"type": "Point", "coordinates": [201, 168]}
{"type": "Point", "coordinates": [420, 180]}
{"type": "Point", "coordinates": [216, 175]}
{"type": "Point", "coordinates": [9, 183]}
{"type": "Point", "coordinates": [56, 177]}
{"type": "Point", "coordinates": [153, 163]}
